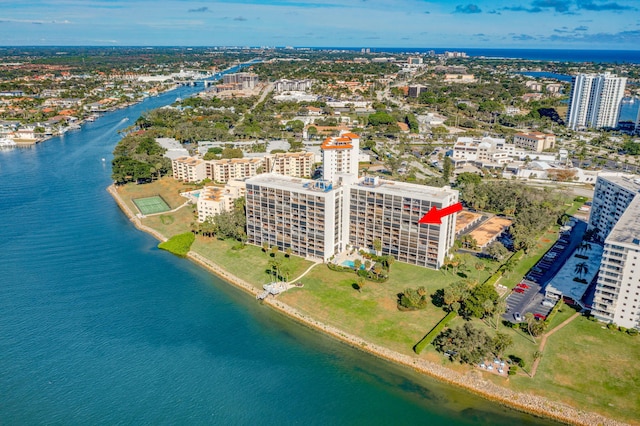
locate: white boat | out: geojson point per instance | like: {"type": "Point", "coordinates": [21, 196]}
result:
{"type": "Point", "coordinates": [7, 143]}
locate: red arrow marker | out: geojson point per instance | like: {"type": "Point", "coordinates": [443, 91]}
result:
{"type": "Point", "coordinates": [434, 215]}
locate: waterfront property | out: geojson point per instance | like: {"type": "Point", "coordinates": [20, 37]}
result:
{"type": "Point", "coordinates": [188, 169]}
{"type": "Point", "coordinates": [298, 214]}
{"type": "Point", "coordinates": [319, 218]}
{"type": "Point", "coordinates": [389, 212]}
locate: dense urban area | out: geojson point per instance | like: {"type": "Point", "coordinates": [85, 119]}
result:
{"type": "Point", "coordinates": [322, 169]}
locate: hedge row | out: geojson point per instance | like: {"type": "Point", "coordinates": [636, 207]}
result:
{"type": "Point", "coordinates": [435, 331]}
{"type": "Point", "coordinates": [339, 268]}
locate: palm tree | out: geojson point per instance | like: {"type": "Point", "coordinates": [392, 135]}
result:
{"type": "Point", "coordinates": [389, 260]}
{"type": "Point", "coordinates": [530, 319]}
{"type": "Point", "coordinates": [377, 269]}
{"type": "Point", "coordinates": [377, 245]}
{"type": "Point", "coordinates": [356, 264]}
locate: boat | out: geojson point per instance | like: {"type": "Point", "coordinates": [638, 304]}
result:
{"type": "Point", "coordinates": [7, 143]}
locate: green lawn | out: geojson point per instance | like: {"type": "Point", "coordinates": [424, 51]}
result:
{"type": "Point", "coordinates": [372, 313]}
{"type": "Point", "coordinates": [249, 263]}
{"type": "Point", "coordinates": [170, 224]}
{"type": "Point", "coordinates": [167, 187]}
{"type": "Point", "coordinates": [589, 366]}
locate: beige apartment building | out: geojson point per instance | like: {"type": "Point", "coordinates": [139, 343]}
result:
{"type": "Point", "coordinates": [188, 169]}
{"type": "Point", "coordinates": [225, 170]}
{"type": "Point", "coordinates": [296, 164]}
{"type": "Point", "coordinates": [615, 214]}
{"type": "Point", "coordinates": [390, 211]}
{"type": "Point", "coordinates": [534, 141]}
{"type": "Point", "coordinates": [214, 200]}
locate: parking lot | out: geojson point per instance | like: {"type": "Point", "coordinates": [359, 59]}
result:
{"type": "Point", "coordinates": [528, 295]}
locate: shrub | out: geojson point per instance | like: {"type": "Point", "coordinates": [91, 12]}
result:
{"type": "Point", "coordinates": [513, 370]}
{"type": "Point", "coordinates": [632, 332]}
{"type": "Point", "coordinates": [435, 331]}
{"type": "Point", "coordinates": [554, 311]}
{"type": "Point", "coordinates": [623, 329]}
{"type": "Point", "coordinates": [413, 299]}
{"type": "Point", "coordinates": [339, 268]}
{"type": "Point", "coordinates": [178, 244]}
{"type": "Point", "coordinates": [612, 326]}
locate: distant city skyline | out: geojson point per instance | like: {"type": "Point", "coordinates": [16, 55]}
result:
{"type": "Point", "coordinates": [561, 24]}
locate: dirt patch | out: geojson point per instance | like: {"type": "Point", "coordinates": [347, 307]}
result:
{"type": "Point", "coordinates": [388, 304]}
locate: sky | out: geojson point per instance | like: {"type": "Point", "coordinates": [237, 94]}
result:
{"type": "Point", "coordinates": [554, 24]}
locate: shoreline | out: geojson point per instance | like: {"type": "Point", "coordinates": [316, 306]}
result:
{"type": "Point", "coordinates": [471, 381]}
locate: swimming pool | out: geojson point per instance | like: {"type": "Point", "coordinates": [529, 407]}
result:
{"type": "Point", "coordinates": [351, 264]}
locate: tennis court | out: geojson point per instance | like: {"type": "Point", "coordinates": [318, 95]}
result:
{"type": "Point", "coordinates": [151, 205]}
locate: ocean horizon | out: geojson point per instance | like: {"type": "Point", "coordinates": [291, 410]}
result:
{"type": "Point", "coordinates": [554, 55]}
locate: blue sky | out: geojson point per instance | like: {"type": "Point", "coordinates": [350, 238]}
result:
{"type": "Point", "coordinates": [560, 24]}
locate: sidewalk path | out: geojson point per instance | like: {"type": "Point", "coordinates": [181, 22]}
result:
{"type": "Point", "coordinates": [318, 262]}
{"type": "Point", "coordinates": [543, 341]}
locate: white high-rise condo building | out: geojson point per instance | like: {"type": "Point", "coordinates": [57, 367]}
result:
{"type": "Point", "coordinates": [595, 100]}
{"type": "Point", "coordinates": [322, 218]}
{"type": "Point", "coordinates": [615, 215]}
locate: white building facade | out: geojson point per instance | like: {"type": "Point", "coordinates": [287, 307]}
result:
{"type": "Point", "coordinates": [320, 218]}
{"type": "Point", "coordinates": [615, 214]}
{"type": "Point", "coordinates": [595, 100]}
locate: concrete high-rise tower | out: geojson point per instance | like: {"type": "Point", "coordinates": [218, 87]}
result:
{"type": "Point", "coordinates": [340, 158]}
{"type": "Point", "coordinates": [595, 100]}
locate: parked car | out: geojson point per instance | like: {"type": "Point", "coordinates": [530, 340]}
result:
{"type": "Point", "coordinates": [539, 317]}
{"type": "Point", "coordinates": [517, 316]}
{"type": "Point", "coordinates": [518, 290]}
{"type": "Point", "coordinates": [523, 285]}
{"type": "Point", "coordinates": [548, 303]}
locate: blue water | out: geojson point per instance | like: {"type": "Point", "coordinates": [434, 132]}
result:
{"type": "Point", "coordinates": [629, 110]}
{"type": "Point", "coordinates": [351, 264]}
{"type": "Point", "coordinates": [557, 55]}
{"type": "Point", "coordinates": [544, 74]}
{"type": "Point", "coordinates": [98, 326]}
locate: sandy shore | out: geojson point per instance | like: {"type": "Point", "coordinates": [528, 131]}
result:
{"type": "Point", "coordinates": [472, 381]}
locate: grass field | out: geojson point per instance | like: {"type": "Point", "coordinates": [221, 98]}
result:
{"type": "Point", "coordinates": [151, 205]}
{"type": "Point", "coordinates": [587, 365]}
{"type": "Point", "coordinates": [249, 263]}
{"type": "Point", "coordinates": [166, 187]}
{"type": "Point", "coordinates": [372, 313]}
